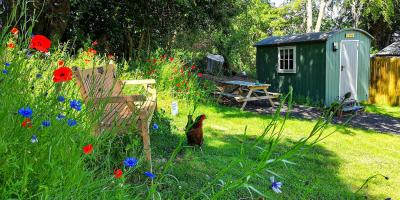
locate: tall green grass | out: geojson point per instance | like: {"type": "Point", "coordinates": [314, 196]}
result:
{"type": "Point", "coordinates": [55, 166]}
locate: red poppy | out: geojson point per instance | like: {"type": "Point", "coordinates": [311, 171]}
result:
{"type": "Point", "coordinates": [11, 45]}
{"type": "Point", "coordinates": [88, 149]}
{"type": "Point", "coordinates": [14, 31]}
{"type": "Point", "coordinates": [118, 173]}
{"type": "Point", "coordinates": [92, 51]}
{"type": "Point", "coordinates": [193, 67]}
{"type": "Point", "coordinates": [94, 43]}
{"type": "Point", "coordinates": [178, 85]}
{"type": "Point", "coordinates": [61, 63]}
{"type": "Point", "coordinates": [171, 59]}
{"type": "Point", "coordinates": [154, 60]}
{"type": "Point", "coordinates": [62, 74]}
{"type": "Point", "coordinates": [27, 123]}
{"type": "Point", "coordinates": [200, 74]}
{"type": "Point", "coordinates": [40, 43]}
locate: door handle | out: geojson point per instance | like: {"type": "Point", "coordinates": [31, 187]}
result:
{"type": "Point", "coordinates": [341, 68]}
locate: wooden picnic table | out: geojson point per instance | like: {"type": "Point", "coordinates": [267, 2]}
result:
{"type": "Point", "coordinates": [243, 91]}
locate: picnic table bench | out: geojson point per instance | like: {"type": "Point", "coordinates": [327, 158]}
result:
{"type": "Point", "coordinates": [243, 91]}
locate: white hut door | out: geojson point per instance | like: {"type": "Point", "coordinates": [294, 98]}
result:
{"type": "Point", "coordinates": [348, 68]}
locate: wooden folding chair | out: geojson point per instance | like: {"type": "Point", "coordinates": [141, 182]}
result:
{"type": "Point", "coordinates": [100, 85]}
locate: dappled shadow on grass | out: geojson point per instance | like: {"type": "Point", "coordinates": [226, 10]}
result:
{"type": "Point", "coordinates": [314, 176]}
{"type": "Point", "coordinates": [370, 121]}
{"type": "Point", "coordinates": [382, 123]}
{"type": "Point", "coordinates": [230, 113]}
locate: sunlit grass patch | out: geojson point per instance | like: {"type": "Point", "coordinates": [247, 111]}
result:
{"type": "Point", "coordinates": [393, 111]}
{"type": "Point", "coordinates": [335, 168]}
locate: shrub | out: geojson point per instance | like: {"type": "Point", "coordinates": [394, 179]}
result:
{"type": "Point", "coordinates": [176, 75]}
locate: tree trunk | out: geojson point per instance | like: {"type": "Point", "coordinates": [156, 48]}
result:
{"type": "Point", "coordinates": [129, 45]}
{"type": "Point", "coordinates": [148, 40]}
{"type": "Point", "coordinates": [139, 51]}
{"type": "Point", "coordinates": [321, 14]}
{"type": "Point", "coordinates": [356, 9]}
{"type": "Point", "coordinates": [309, 16]}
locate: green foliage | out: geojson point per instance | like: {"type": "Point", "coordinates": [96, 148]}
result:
{"type": "Point", "coordinates": [55, 166]}
{"type": "Point", "coordinates": [130, 28]}
{"type": "Point", "coordinates": [380, 8]}
{"type": "Point", "coordinates": [58, 152]}
{"type": "Point", "coordinates": [175, 74]}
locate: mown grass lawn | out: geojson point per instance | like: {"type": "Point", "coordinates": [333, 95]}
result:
{"type": "Point", "coordinates": [393, 111]}
{"type": "Point", "coordinates": [333, 169]}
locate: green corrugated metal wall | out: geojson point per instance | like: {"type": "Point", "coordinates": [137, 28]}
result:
{"type": "Point", "coordinates": [333, 66]}
{"type": "Point", "coordinates": [318, 68]}
{"type": "Point", "coordinates": [309, 81]}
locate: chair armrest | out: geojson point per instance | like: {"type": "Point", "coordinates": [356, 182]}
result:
{"type": "Point", "coordinates": [138, 82]}
{"type": "Point", "coordinates": [121, 99]}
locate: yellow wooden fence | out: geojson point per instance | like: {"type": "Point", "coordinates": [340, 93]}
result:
{"type": "Point", "coordinates": [385, 81]}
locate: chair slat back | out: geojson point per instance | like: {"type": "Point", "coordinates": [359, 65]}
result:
{"type": "Point", "coordinates": [98, 82]}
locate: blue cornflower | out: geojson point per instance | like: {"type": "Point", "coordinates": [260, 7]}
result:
{"type": "Point", "coordinates": [275, 186]}
{"type": "Point", "coordinates": [71, 122]}
{"type": "Point", "coordinates": [7, 64]}
{"type": "Point", "coordinates": [38, 75]}
{"type": "Point", "coordinates": [75, 104]}
{"type": "Point", "coordinates": [46, 123]}
{"type": "Point", "coordinates": [25, 112]}
{"type": "Point", "coordinates": [61, 98]}
{"type": "Point", "coordinates": [155, 126]}
{"type": "Point", "coordinates": [60, 117]}
{"type": "Point", "coordinates": [130, 162]}
{"type": "Point", "coordinates": [150, 175]}
{"type": "Point", "coordinates": [34, 139]}
{"type": "Point", "coordinates": [4, 71]}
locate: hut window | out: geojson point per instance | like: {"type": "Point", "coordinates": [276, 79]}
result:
{"type": "Point", "coordinates": [287, 59]}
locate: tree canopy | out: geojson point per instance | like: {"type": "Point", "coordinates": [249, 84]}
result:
{"type": "Point", "coordinates": [131, 29]}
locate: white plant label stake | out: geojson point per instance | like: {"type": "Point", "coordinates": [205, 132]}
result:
{"type": "Point", "coordinates": [174, 108]}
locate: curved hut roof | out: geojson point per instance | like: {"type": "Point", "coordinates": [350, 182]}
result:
{"type": "Point", "coordinates": [307, 37]}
